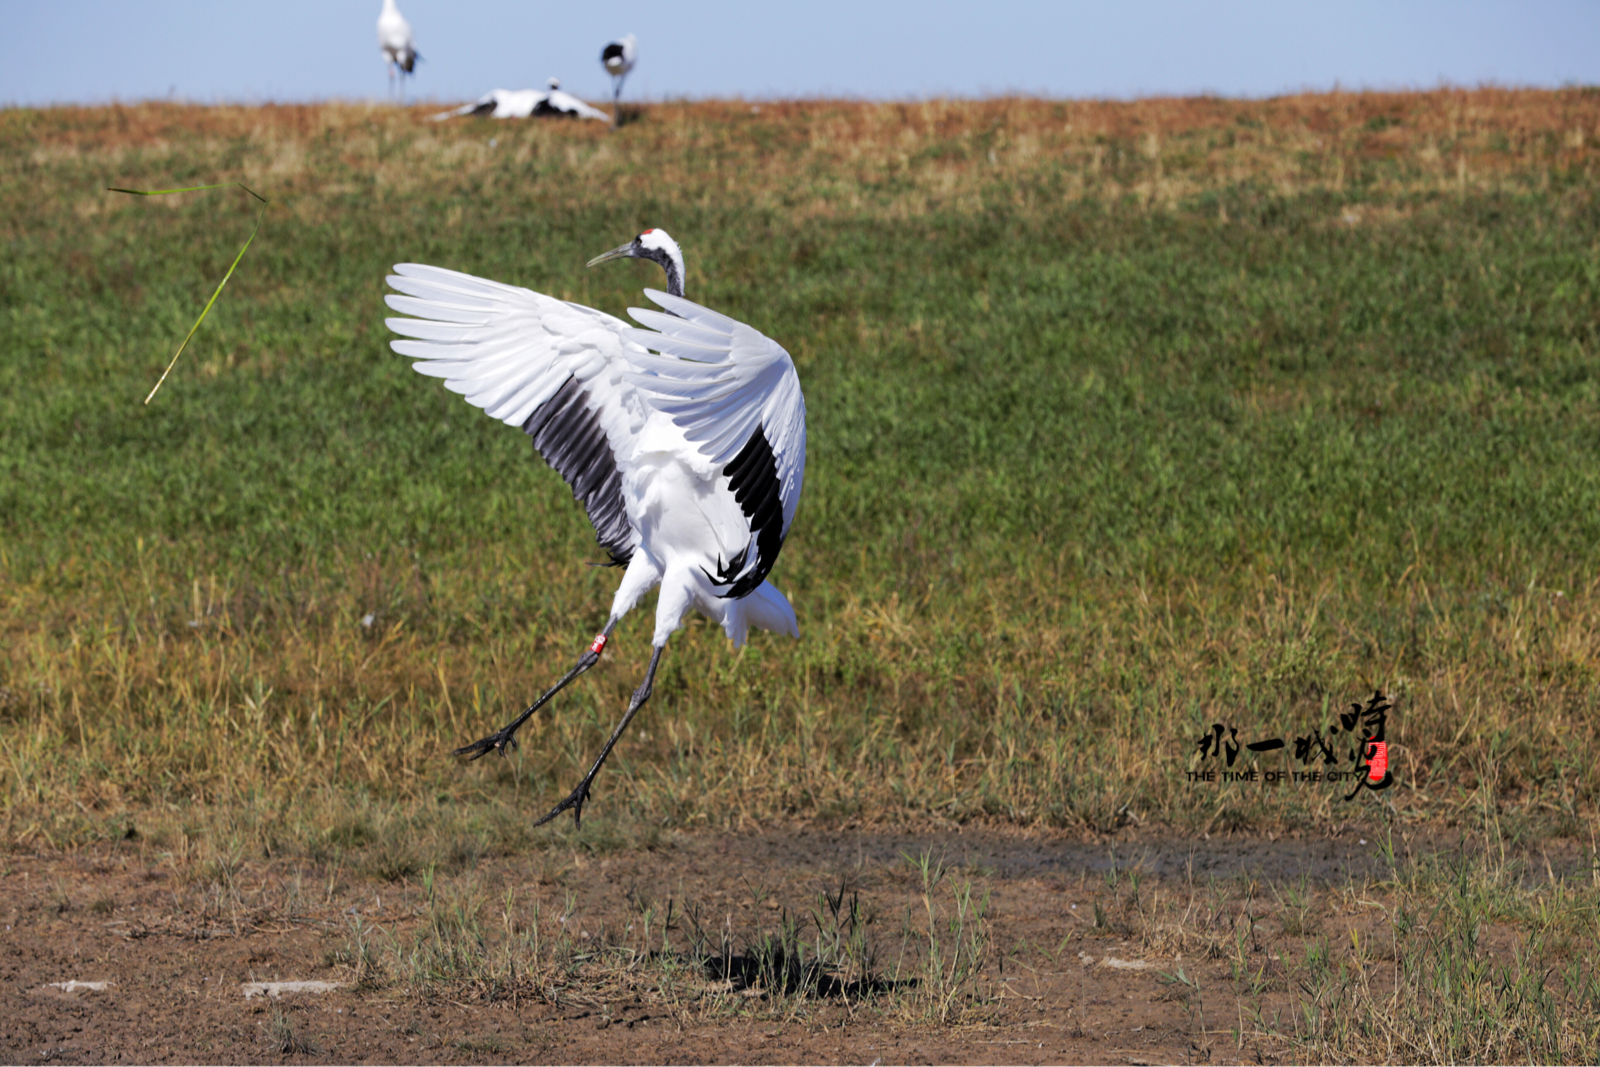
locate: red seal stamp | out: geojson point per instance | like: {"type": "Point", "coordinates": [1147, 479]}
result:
{"type": "Point", "coordinates": [1377, 760]}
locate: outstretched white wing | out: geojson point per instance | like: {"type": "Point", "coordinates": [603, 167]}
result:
{"type": "Point", "coordinates": [553, 369]}
{"type": "Point", "coordinates": [499, 104]}
{"type": "Point", "coordinates": [561, 103]}
{"type": "Point", "coordinates": [735, 394]}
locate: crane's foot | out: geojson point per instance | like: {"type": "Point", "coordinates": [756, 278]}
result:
{"type": "Point", "coordinates": [501, 741]}
{"type": "Point", "coordinates": [575, 802]}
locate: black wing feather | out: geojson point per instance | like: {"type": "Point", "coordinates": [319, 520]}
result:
{"type": "Point", "coordinates": [566, 432]}
{"type": "Point", "coordinates": [753, 477]}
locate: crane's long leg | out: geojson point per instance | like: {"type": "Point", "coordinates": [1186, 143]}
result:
{"type": "Point", "coordinates": [616, 101]}
{"type": "Point", "coordinates": [502, 740]}
{"type": "Point", "coordinates": [576, 800]}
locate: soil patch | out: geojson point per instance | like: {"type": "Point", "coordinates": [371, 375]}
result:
{"type": "Point", "coordinates": [123, 956]}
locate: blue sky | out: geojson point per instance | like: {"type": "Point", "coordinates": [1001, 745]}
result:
{"type": "Point", "coordinates": [89, 51]}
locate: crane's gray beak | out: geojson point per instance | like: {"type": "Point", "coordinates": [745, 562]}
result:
{"type": "Point", "coordinates": [616, 253]}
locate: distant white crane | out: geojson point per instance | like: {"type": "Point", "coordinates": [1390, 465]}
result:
{"type": "Point", "coordinates": [689, 462]}
{"type": "Point", "coordinates": [618, 58]}
{"type": "Point", "coordinates": [397, 44]}
{"type": "Point", "coordinates": [523, 103]}
{"type": "Point", "coordinates": [499, 104]}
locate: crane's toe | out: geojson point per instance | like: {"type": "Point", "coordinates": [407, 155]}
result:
{"type": "Point", "coordinates": [574, 801]}
{"type": "Point", "coordinates": [501, 742]}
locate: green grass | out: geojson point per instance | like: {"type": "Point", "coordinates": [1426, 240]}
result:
{"type": "Point", "coordinates": [1111, 436]}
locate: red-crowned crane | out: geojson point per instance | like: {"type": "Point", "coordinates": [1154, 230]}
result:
{"type": "Point", "coordinates": [685, 442]}
{"type": "Point", "coordinates": [525, 103]}
{"type": "Point", "coordinates": [397, 44]}
{"type": "Point", "coordinates": [499, 104]}
{"type": "Point", "coordinates": [618, 58]}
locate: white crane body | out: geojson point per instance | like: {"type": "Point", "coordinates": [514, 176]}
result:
{"type": "Point", "coordinates": [684, 443]}
{"type": "Point", "coordinates": [397, 43]}
{"type": "Point", "coordinates": [618, 58]}
{"type": "Point", "coordinates": [527, 103]}
{"type": "Point", "coordinates": [498, 104]}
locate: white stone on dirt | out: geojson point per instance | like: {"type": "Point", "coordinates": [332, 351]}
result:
{"type": "Point", "coordinates": [1114, 963]}
{"type": "Point", "coordinates": [73, 985]}
{"type": "Point", "coordinates": [1126, 965]}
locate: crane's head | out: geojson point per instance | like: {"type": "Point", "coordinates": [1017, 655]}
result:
{"type": "Point", "coordinates": [653, 245]}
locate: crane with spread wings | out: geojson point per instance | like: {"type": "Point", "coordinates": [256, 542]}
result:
{"type": "Point", "coordinates": [685, 442]}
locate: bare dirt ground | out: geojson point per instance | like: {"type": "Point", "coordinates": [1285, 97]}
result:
{"type": "Point", "coordinates": [1062, 977]}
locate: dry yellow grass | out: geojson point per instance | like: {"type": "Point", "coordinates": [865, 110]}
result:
{"type": "Point", "coordinates": [897, 160]}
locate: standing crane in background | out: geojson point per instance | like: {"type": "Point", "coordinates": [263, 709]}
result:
{"type": "Point", "coordinates": [618, 58]}
{"type": "Point", "coordinates": [398, 46]}
{"type": "Point", "coordinates": [685, 443]}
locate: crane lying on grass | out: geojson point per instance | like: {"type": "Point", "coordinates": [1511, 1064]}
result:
{"type": "Point", "coordinates": [565, 104]}
{"type": "Point", "coordinates": [398, 46]}
{"type": "Point", "coordinates": [525, 103]}
{"type": "Point", "coordinates": [688, 462]}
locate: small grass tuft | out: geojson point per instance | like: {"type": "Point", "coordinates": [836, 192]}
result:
{"type": "Point", "coordinates": [284, 1038]}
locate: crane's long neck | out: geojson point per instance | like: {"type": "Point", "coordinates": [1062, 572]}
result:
{"type": "Point", "coordinates": [674, 271]}
{"type": "Point", "coordinates": [656, 246]}
{"type": "Point", "coordinates": [671, 261]}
